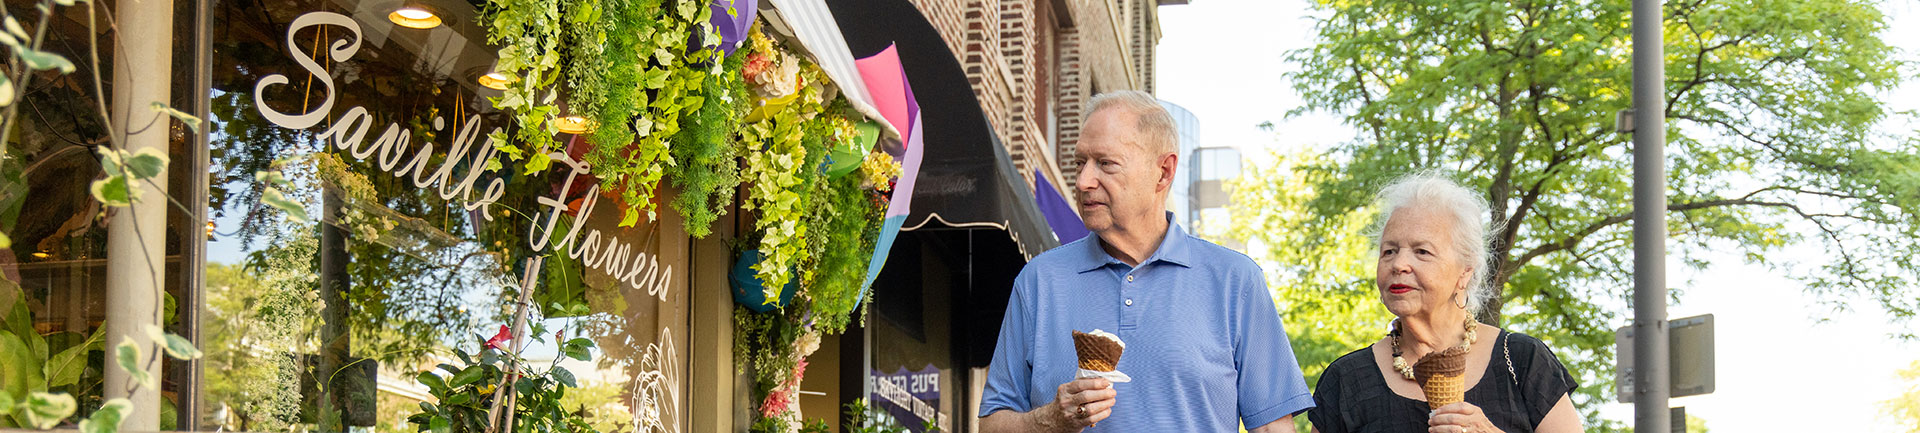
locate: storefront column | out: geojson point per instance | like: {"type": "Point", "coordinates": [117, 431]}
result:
{"type": "Point", "coordinates": [136, 235]}
{"type": "Point", "coordinates": [711, 370]}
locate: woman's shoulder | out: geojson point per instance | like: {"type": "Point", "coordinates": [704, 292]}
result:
{"type": "Point", "coordinates": [1519, 342]}
{"type": "Point", "coordinates": [1358, 360]}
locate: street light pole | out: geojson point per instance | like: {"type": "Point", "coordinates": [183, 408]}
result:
{"type": "Point", "coordinates": [1650, 413]}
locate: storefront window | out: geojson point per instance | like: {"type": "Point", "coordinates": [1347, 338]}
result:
{"type": "Point", "coordinates": [416, 251]}
{"type": "Point", "coordinates": [53, 264]}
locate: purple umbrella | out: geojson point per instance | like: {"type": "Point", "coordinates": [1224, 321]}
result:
{"type": "Point", "coordinates": [732, 18]}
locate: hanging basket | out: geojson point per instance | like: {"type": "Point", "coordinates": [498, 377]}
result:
{"type": "Point", "coordinates": [749, 291]}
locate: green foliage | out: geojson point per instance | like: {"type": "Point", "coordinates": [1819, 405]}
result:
{"type": "Point", "coordinates": [268, 305]}
{"type": "Point", "coordinates": [1770, 107]}
{"type": "Point", "coordinates": [466, 393]}
{"type": "Point", "coordinates": [39, 375]}
{"type": "Point", "coordinates": [848, 224]}
{"type": "Point", "coordinates": [1904, 409]}
{"type": "Point", "coordinates": [632, 161]}
{"type": "Point", "coordinates": [125, 172]}
{"type": "Point", "coordinates": [707, 152]}
{"type": "Point", "coordinates": [528, 33]}
{"type": "Point", "coordinates": [863, 418]}
{"type": "Point", "coordinates": [764, 342]}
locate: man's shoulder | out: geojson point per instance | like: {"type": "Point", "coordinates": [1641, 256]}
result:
{"type": "Point", "coordinates": [1066, 256]}
{"type": "Point", "coordinates": [1215, 258]}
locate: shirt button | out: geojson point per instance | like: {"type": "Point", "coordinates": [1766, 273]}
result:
{"type": "Point", "coordinates": [1129, 302]}
{"type": "Point", "coordinates": [1129, 278]}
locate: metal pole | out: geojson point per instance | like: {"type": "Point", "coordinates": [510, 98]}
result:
{"type": "Point", "coordinates": [136, 235]}
{"type": "Point", "coordinates": [1650, 414]}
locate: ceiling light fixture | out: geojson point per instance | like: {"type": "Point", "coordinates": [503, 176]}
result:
{"type": "Point", "coordinates": [495, 81]}
{"type": "Point", "coordinates": [414, 16]}
{"type": "Point", "coordinates": [573, 125]}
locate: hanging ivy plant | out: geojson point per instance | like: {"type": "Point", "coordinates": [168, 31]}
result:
{"type": "Point", "coordinates": [528, 32]}
{"type": "Point", "coordinates": [670, 73]}
{"type": "Point", "coordinates": [591, 51]}
{"type": "Point", "coordinates": [846, 224]}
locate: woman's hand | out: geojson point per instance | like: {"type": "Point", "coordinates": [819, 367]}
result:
{"type": "Point", "coordinates": [1460, 417]}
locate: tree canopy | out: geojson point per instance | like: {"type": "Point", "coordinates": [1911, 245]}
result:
{"type": "Point", "coordinates": [1775, 136]}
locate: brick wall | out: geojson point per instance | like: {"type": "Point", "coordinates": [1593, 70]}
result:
{"type": "Point", "coordinates": [1033, 75]}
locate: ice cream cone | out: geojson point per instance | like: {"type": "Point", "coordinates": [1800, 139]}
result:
{"type": "Point", "coordinates": [1098, 351]}
{"type": "Point", "coordinates": [1443, 376]}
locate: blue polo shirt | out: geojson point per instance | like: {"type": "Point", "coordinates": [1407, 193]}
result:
{"type": "Point", "coordinates": [1205, 347]}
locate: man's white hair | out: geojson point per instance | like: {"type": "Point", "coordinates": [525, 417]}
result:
{"type": "Point", "coordinates": [1472, 231]}
{"type": "Point", "coordinates": [1152, 126]}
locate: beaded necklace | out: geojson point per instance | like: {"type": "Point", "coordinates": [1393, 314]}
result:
{"type": "Point", "coordinates": [1400, 363]}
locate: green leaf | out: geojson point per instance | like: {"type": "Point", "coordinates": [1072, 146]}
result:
{"type": "Point", "coordinates": [43, 411]}
{"type": "Point", "coordinates": [42, 60]}
{"type": "Point", "coordinates": [642, 127]}
{"type": "Point", "coordinates": [175, 346]}
{"type": "Point", "coordinates": [145, 163]}
{"type": "Point", "coordinates": [21, 373]}
{"type": "Point", "coordinates": [127, 355]}
{"type": "Point", "coordinates": [270, 178]}
{"type": "Point", "coordinates": [295, 211]}
{"type": "Point", "coordinates": [193, 122]}
{"type": "Point", "coordinates": [433, 382]}
{"type": "Point", "coordinates": [538, 162]}
{"type": "Point", "coordinates": [469, 375]}
{"type": "Point", "coordinates": [575, 349]}
{"type": "Point", "coordinates": [439, 424]}
{"type": "Point", "coordinates": [5, 242]}
{"type": "Point", "coordinates": [64, 368]}
{"type": "Point", "coordinates": [114, 191]}
{"type": "Point", "coordinates": [560, 374]}
{"type": "Point", "coordinates": [107, 418]}
{"type": "Point", "coordinates": [654, 78]}
{"type": "Point", "coordinates": [13, 28]}
{"type": "Point", "coordinates": [6, 90]}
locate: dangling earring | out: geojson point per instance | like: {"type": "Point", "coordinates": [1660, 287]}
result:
{"type": "Point", "coordinates": [1459, 301]}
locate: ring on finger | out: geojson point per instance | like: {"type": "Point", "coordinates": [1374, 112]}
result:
{"type": "Point", "coordinates": [1080, 411]}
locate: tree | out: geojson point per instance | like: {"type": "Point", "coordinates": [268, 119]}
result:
{"type": "Point", "coordinates": [1771, 113]}
{"type": "Point", "coordinates": [1905, 408]}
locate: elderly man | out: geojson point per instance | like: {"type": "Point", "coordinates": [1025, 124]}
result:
{"type": "Point", "coordinates": [1204, 346]}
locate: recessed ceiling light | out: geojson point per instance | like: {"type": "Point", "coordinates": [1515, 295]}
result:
{"type": "Point", "coordinates": [414, 16]}
{"type": "Point", "coordinates": [495, 81]}
{"type": "Point", "coordinates": [573, 125]}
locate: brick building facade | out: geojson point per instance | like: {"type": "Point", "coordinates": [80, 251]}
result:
{"type": "Point", "coordinates": [1034, 64]}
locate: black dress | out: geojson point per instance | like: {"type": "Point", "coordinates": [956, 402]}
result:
{"type": "Point", "coordinates": [1353, 397]}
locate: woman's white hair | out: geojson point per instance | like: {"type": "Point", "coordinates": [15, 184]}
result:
{"type": "Point", "coordinates": [1472, 232]}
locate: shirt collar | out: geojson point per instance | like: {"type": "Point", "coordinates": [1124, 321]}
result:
{"type": "Point", "coordinates": [1173, 249]}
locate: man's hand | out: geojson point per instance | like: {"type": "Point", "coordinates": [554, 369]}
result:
{"type": "Point", "coordinates": [1076, 405]}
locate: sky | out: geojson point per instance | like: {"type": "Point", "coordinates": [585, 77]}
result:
{"type": "Point", "coordinates": [1224, 59]}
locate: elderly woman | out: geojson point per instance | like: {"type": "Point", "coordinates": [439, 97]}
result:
{"type": "Point", "coordinates": [1432, 274]}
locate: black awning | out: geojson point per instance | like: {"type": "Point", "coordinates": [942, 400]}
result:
{"type": "Point", "coordinates": [966, 178]}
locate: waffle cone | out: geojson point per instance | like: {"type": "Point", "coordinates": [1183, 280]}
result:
{"type": "Point", "coordinates": [1097, 353]}
{"type": "Point", "coordinates": [1443, 376]}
